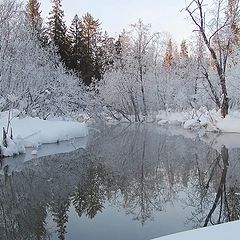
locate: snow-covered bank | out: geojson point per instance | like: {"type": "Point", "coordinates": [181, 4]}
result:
{"type": "Point", "coordinates": [211, 121]}
{"type": "Point", "coordinates": [33, 132]}
{"type": "Point", "coordinates": [17, 164]}
{"type": "Point", "coordinates": [214, 140]}
{"type": "Point", "coordinates": [221, 232]}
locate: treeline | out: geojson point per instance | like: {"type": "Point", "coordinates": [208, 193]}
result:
{"type": "Point", "coordinates": [83, 47]}
{"type": "Point", "coordinates": [150, 73]}
{"type": "Point", "coordinates": [133, 76]}
{"type": "Point", "coordinates": [140, 72]}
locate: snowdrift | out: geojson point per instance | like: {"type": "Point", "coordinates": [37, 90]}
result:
{"type": "Point", "coordinates": [220, 232]}
{"type": "Point", "coordinates": [33, 132]}
{"type": "Point", "coordinates": [210, 120]}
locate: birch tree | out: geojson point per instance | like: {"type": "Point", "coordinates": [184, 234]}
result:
{"type": "Point", "coordinates": [218, 37]}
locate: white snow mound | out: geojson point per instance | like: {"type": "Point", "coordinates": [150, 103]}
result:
{"type": "Point", "coordinates": [210, 120]}
{"type": "Point", "coordinates": [33, 132]}
{"type": "Point", "coordinates": [219, 232]}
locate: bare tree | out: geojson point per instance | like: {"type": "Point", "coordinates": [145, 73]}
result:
{"type": "Point", "coordinates": [218, 37]}
{"type": "Point", "coordinates": [142, 39]}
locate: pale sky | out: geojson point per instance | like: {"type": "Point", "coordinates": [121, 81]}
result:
{"type": "Point", "coordinates": [115, 15]}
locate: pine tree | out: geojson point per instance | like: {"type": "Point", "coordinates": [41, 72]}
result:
{"type": "Point", "coordinates": [108, 50]}
{"type": "Point", "coordinates": [92, 38]}
{"type": "Point", "coordinates": [57, 31]}
{"type": "Point", "coordinates": [34, 15]}
{"type": "Point", "coordinates": [88, 48]}
{"type": "Point", "coordinates": [35, 20]}
{"type": "Point", "coordinates": [91, 31]}
{"type": "Point", "coordinates": [77, 44]}
{"type": "Point", "coordinates": [103, 55]}
{"type": "Point", "coordinates": [183, 50]}
{"type": "Point", "coordinates": [123, 42]}
{"type": "Point", "coordinates": [168, 57]}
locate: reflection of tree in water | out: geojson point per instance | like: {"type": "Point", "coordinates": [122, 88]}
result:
{"type": "Point", "coordinates": [232, 211]}
{"type": "Point", "coordinates": [26, 197]}
{"type": "Point", "coordinates": [214, 200]}
{"type": "Point", "coordinates": [93, 190]}
{"type": "Point", "coordinates": [59, 209]}
{"type": "Point", "coordinates": [141, 182]}
{"type": "Point", "coordinates": [143, 196]}
{"type": "Point", "coordinates": [18, 210]}
{"type": "Point", "coordinates": [150, 167]}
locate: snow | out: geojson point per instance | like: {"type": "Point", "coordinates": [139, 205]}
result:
{"type": "Point", "coordinates": [210, 120]}
{"type": "Point", "coordinates": [36, 131]}
{"type": "Point", "coordinates": [33, 132]}
{"type": "Point", "coordinates": [15, 147]}
{"type": "Point", "coordinates": [34, 152]}
{"type": "Point", "coordinates": [229, 140]}
{"type": "Point", "coordinates": [220, 232]}
{"type": "Point", "coordinates": [173, 118]}
{"type": "Point", "coordinates": [229, 124]}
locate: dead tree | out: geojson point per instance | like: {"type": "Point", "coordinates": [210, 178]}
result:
{"type": "Point", "coordinates": [218, 46]}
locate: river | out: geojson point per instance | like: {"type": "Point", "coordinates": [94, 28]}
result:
{"type": "Point", "coordinates": [129, 182]}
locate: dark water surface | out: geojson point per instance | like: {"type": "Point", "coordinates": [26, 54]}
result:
{"type": "Point", "coordinates": [131, 182]}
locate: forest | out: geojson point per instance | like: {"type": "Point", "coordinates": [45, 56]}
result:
{"type": "Point", "coordinates": [49, 69]}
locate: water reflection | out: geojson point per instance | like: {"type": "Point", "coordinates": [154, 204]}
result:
{"type": "Point", "coordinates": [215, 197]}
{"type": "Point", "coordinates": [137, 169]}
{"type": "Point", "coordinates": [93, 190]}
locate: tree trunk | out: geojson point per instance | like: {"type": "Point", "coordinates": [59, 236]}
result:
{"type": "Point", "coordinates": [225, 106]}
{"type": "Point", "coordinates": [136, 114]}
{"type": "Point", "coordinates": [5, 138]}
{"type": "Point", "coordinates": [143, 92]}
{"type": "Point", "coordinates": [220, 63]}
{"type": "Point", "coordinates": [225, 101]}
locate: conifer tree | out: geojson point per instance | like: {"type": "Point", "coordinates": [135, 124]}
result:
{"type": "Point", "coordinates": [168, 56]}
{"type": "Point", "coordinates": [34, 15]}
{"type": "Point", "coordinates": [77, 44]}
{"type": "Point", "coordinates": [92, 37]}
{"type": "Point", "coordinates": [123, 42]}
{"type": "Point", "coordinates": [57, 31]}
{"type": "Point", "coordinates": [36, 21]}
{"type": "Point", "coordinates": [108, 50]}
{"type": "Point", "coordinates": [89, 48]}
{"type": "Point", "coordinates": [183, 50]}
